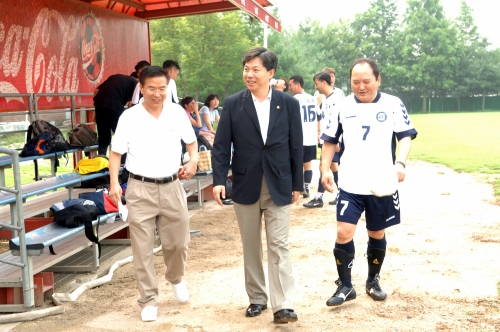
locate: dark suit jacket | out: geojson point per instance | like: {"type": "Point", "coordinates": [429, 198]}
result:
{"type": "Point", "coordinates": [280, 159]}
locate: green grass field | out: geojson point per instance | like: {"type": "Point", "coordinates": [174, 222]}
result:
{"type": "Point", "coordinates": [466, 142]}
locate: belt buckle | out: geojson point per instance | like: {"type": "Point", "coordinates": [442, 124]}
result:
{"type": "Point", "coordinates": [158, 181]}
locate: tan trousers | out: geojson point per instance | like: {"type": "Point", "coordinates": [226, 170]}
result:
{"type": "Point", "coordinates": [277, 221]}
{"type": "Point", "coordinates": [161, 207]}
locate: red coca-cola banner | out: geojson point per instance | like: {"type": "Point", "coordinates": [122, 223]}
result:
{"type": "Point", "coordinates": [54, 46]}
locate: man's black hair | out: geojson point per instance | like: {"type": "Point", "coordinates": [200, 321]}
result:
{"type": "Point", "coordinates": [298, 79]}
{"type": "Point", "coordinates": [152, 71]}
{"type": "Point", "coordinates": [186, 101]}
{"type": "Point", "coordinates": [370, 62]}
{"type": "Point", "coordinates": [269, 59]}
{"type": "Point", "coordinates": [141, 64]}
{"type": "Point", "coordinates": [323, 76]}
{"type": "Point", "coordinates": [210, 97]}
{"type": "Point", "coordinates": [167, 64]}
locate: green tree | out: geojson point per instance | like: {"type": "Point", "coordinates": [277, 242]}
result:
{"type": "Point", "coordinates": [429, 49]}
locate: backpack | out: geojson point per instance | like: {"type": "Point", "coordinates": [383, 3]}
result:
{"type": "Point", "coordinates": [72, 213]}
{"type": "Point", "coordinates": [39, 127]}
{"type": "Point", "coordinates": [82, 135]}
{"type": "Point", "coordinates": [38, 146]}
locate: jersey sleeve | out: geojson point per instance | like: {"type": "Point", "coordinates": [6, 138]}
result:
{"type": "Point", "coordinates": [402, 124]}
{"type": "Point", "coordinates": [333, 129]}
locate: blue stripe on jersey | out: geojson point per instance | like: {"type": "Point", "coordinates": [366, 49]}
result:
{"type": "Point", "coordinates": [410, 132]}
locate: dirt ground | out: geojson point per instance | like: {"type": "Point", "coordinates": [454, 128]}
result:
{"type": "Point", "coordinates": [441, 270]}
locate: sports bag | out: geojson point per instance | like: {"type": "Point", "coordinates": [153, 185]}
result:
{"type": "Point", "coordinates": [38, 146]}
{"type": "Point", "coordinates": [39, 127]}
{"type": "Point", "coordinates": [102, 200]}
{"type": "Point", "coordinates": [97, 164]}
{"type": "Point", "coordinates": [82, 135]}
{"type": "Point", "coordinates": [72, 213]}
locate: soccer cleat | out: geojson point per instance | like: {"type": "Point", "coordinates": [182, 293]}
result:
{"type": "Point", "coordinates": [341, 295]}
{"type": "Point", "coordinates": [334, 202]}
{"type": "Point", "coordinates": [374, 290]}
{"type": "Point", "coordinates": [315, 203]}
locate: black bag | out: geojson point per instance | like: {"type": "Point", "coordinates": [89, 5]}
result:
{"type": "Point", "coordinates": [72, 213]}
{"type": "Point", "coordinates": [229, 188]}
{"type": "Point", "coordinates": [57, 141]}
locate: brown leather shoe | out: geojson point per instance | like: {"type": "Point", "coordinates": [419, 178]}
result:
{"type": "Point", "coordinates": [285, 316]}
{"type": "Point", "coordinates": [255, 309]}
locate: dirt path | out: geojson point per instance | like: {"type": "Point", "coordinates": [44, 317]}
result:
{"type": "Point", "coordinates": [441, 271]}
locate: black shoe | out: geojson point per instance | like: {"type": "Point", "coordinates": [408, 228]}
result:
{"type": "Point", "coordinates": [374, 290]}
{"type": "Point", "coordinates": [305, 194]}
{"type": "Point", "coordinates": [228, 201]}
{"type": "Point", "coordinates": [334, 202]}
{"type": "Point", "coordinates": [285, 316]}
{"type": "Point", "coordinates": [315, 203]}
{"type": "Point", "coordinates": [341, 295]}
{"type": "Point", "coordinates": [255, 309]}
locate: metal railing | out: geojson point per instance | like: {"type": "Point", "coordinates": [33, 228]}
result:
{"type": "Point", "coordinates": [18, 229]}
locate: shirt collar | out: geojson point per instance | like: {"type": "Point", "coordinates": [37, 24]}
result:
{"type": "Point", "coordinates": [269, 95]}
{"type": "Point", "coordinates": [374, 100]}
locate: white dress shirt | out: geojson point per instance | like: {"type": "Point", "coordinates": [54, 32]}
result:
{"type": "Point", "coordinates": [263, 110]}
{"type": "Point", "coordinates": [153, 145]}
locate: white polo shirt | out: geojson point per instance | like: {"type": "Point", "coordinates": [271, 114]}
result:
{"type": "Point", "coordinates": [263, 111]}
{"type": "Point", "coordinates": [153, 146]}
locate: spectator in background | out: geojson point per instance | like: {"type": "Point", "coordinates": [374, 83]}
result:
{"type": "Point", "coordinates": [138, 68]}
{"type": "Point", "coordinates": [281, 84]}
{"type": "Point", "coordinates": [137, 92]}
{"type": "Point", "coordinates": [209, 113]}
{"type": "Point", "coordinates": [110, 99]}
{"type": "Point", "coordinates": [172, 69]}
{"type": "Point", "coordinates": [191, 107]}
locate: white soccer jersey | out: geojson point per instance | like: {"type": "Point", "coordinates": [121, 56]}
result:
{"type": "Point", "coordinates": [310, 115]}
{"type": "Point", "coordinates": [328, 109]}
{"type": "Point", "coordinates": [369, 133]}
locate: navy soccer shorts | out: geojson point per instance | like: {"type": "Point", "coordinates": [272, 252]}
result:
{"type": "Point", "coordinates": [380, 212]}
{"type": "Point", "coordinates": [308, 153]}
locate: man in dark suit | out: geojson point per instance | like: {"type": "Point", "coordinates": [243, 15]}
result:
{"type": "Point", "coordinates": [264, 126]}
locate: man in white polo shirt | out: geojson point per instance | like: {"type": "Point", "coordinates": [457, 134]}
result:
{"type": "Point", "coordinates": [150, 133]}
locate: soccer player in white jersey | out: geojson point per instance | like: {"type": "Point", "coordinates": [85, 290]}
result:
{"type": "Point", "coordinates": [310, 128]}
{"type": "Point", "coordinates": [324, 82]}
{"type": "Point", "coordinates": [371, 122]}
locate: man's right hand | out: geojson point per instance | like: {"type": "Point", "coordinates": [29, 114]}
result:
{"type": "Point", "coordinates": [327, 181]}
{"type": "Point", "coordinates": [115, 193]}
{"type": "Point", "coordinates": [218, 191]}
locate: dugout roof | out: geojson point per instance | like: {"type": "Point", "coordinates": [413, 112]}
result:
{"type": "Point", "coordinates": [153, 9]}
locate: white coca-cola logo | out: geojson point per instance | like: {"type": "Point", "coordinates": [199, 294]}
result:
{"type": "Point", "coordinates": [91, 48]}
{"type": "Point", "coordinates": [48, 51]}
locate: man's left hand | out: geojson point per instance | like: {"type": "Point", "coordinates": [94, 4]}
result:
{"type": "Point", "coordinates": [295, 196]}
{"type": "Point", "coordinates": [187, 171]}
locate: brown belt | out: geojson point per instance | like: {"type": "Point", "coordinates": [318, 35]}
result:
{"type": "Point", "coordinates": [171, 178]}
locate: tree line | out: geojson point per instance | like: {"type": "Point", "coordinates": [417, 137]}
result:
{"type": "Point", "coordinates": [422, 53]}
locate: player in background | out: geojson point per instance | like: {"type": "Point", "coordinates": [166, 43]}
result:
{"type": "Point", "coordinates": [372, 123]}
{"type": "Point", "coordinates": [324, 86]}
{"type": "Point", "coordinates": [310, 129]}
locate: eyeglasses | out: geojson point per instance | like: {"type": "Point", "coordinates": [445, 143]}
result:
{"type": "Point", "coordinates": [154, 90]}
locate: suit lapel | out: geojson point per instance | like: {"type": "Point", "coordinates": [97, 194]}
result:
{"type": "Point", "coordinates": [276, 107]}
{"type": "Point", "coordinates": [249, 107]}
